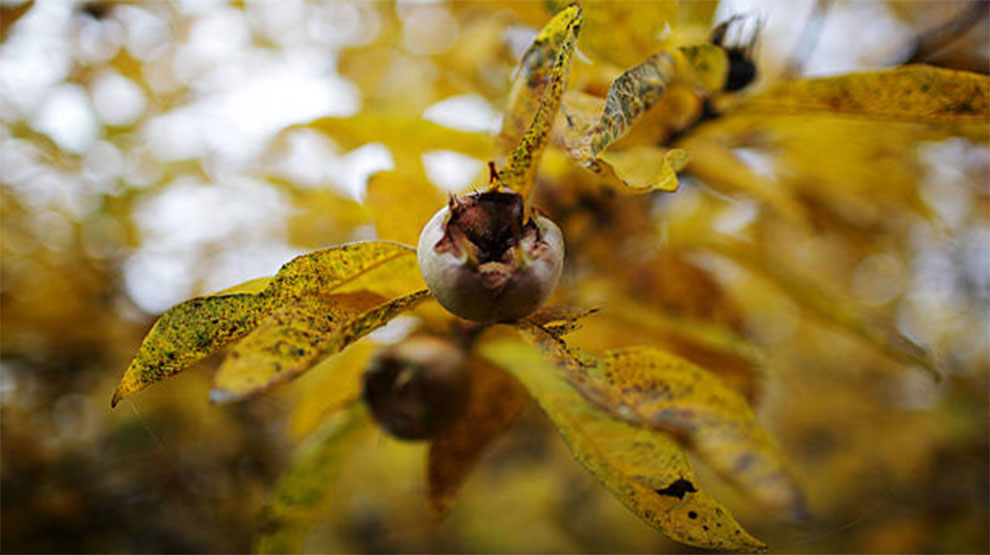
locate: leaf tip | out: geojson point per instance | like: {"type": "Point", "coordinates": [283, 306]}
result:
{"type": "Point", "coordinates": [116, 398]}
{"type": "Point", "coordinates": [125, 389]}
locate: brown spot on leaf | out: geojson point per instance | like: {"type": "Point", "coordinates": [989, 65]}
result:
{"type": "Point", "coordinates": [678, 488]}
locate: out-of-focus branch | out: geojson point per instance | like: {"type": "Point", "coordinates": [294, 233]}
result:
{"type": "Point", "coordinates": [932, 41]}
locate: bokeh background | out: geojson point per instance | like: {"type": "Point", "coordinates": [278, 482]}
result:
{"type": "Point", "coordinates": [148, 155]}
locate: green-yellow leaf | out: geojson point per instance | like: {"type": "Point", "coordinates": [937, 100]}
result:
{"type": "Point", "coordinates": [304, 491]}
{"type": "Point", "coordinates": [555, 41]}
{"type": "Point", "coordinates": [286, 343]}
{"type": "Point", "coordinates": [647, 471]}
{"type": "Point", "coordinates": [323, 272]}
{"type": "Point", "coordinates": [198, 327]}
{"type": "Point", "coordinates": [297, 336]}
{"type": "Point", "coordinates": [253, 286]}
{"type": "Point", "coordinates": [188, 332]}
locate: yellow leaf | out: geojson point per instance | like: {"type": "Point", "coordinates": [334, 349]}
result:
{"type": "Point", "coordinates": [186, 333]}
{"type": "Point", "coordinates": [404, 135]}
{"type": "Point", "coordinates": [830, 162]}
{"type": "Point", "coordinates": [393, 279]}
{"type": "Point", "coordinates": [401, 204]}
{"type": "Point", "coordinates": [703, 334]}
{"type": "Point", "coordinates": [920, 93]}
{"type": "Point", "coordinates": [674, 395]}
{"type": "Point", "coordinates": [324, 271]}
{"type": "Point", "coordinates": [869, 168]}
{"type": "Point", "coordinates": [198, 327]}
{"type": "Point", "coordinates": [712, 346]}
{"type": "Point", "coordinates": [297, 336]}
{"type": "Point", "coordinates": [528, 86]}
{"type": "Point", "coordinates": [496, 401]}
{"type": "Point", "coordinates": [286, 343]}
{"type": "Point", "coordinates": [648, 387]}
{"type": "Point", "coordinates": [303, 492]}
{"type": "Point", "coordinates": [328, 387]}
{"type": "Point", "coordinates": [639, 88]}
{"type": "Point", "coordinates": [623, 33]}
{"type": "Point", "coordinates": [715, 163]}
{"type": "Point", "coordinates": [253, 286]}
{"type": "Point", "coordinates": [644, 469]}
{"type": "Point", "coordinates": [556, 42]}
{"type": "Point", "coordinates": [641, 168]}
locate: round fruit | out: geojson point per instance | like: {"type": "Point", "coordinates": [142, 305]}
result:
{"type": "Point", "coordinates": [417, 387]}
{"type": "Point", "coordinates": [483, 263]}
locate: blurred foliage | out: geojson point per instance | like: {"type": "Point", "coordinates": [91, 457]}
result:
{"type": "Point", "coordinates": [813, 257]}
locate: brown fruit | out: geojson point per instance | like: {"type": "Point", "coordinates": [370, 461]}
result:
{"type": "Point", "coordinates": [483, 263]}
{"type": "Point", "coordinates": [417, 387]}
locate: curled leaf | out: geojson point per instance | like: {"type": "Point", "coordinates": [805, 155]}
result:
{"type": "Point", "coordinates": [644, 168]}
{"type": "Point", "coordinates": [293, 339]}
{"type": "Point", "coordinates": [640, 169]}
{"type": "Point", "coordinates": [555, 41]}
{"type": "Point", "coordinates": [496, 401]}
{"type": "Point", "coordinates": [644, 469]}
{"type": "Point", "coordinates": [304, 490]}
